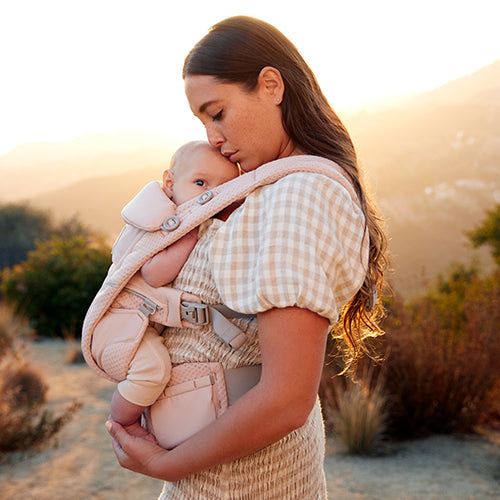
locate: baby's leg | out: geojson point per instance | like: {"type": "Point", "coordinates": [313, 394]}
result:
{"type": "Point", "coordinates": [148, 374]}
{"type": "Point", "coordinates": [149, 371]}
{"type": "Point", "coordinates": [123, 411]}
{"type": "Point", "coordinates": [129, 415]}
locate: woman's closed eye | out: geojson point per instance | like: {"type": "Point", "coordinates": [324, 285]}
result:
{"type": "Point", "coordinates": [217, 116]}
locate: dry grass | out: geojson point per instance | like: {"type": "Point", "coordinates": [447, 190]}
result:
{"type": "Point", "coordinates": [360, 414]}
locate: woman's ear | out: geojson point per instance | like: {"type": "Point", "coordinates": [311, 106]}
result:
{"type": "Point", "coordinates": [168, 183]}
{"type": "Point", "coordinates": [271, 81]}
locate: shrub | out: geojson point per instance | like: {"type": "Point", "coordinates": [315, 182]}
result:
{"type": "Point", "coordinates": [24, 423]}
{"type": "Point", "coordinates": [56, 285]}
{"type": "Point", "coordinates": [442, 354]}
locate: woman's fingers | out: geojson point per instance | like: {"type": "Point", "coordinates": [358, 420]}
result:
{"type": "Point", "coordinates": [140, 454]}
{"type": "Point", "coordinates": [123, 444]}
{"type": "Point", "coordinates": [113, 428]}
{"type": "Point", "coordinates": [120, 438]}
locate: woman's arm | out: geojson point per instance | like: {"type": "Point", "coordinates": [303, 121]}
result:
{"type": "Point", "coordinates": [292, 343]}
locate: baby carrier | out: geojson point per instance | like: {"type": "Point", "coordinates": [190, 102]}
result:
{"type": "Point", "coordinates": [125, 301]}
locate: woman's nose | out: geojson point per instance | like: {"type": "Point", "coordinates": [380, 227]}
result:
{"type": "Point", "coordinates": [215, 137]}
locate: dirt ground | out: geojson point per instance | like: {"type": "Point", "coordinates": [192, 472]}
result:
{"type": "Point", "coordinates": [82, 466]}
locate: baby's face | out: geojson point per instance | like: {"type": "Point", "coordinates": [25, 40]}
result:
{"type": "Point", "coordinates": [201, 169]}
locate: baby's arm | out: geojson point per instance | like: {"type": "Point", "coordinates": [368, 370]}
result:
{"type": "Point", "coordinates": [164, 267]}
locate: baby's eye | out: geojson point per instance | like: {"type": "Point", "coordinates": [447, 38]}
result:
{"type": "Point", "coordinates": [199, 182]}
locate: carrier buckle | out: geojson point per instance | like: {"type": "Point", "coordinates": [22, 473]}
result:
{"type": "Point", "coordinates": [148, 307]}
{"type": "Point", "coordinates": [195, 313]}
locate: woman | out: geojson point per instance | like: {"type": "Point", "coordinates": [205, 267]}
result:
{"type": "Point", "coordinates": [299, 253]}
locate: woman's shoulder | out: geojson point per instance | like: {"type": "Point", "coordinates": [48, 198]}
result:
{"type": "Point", "coordinates": [308, 187]}
{"type": "Point", "coordinates": [307, 171]}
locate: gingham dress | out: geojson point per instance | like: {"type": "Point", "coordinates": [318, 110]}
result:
{"type": "Point", "coordinates": [298, 242]}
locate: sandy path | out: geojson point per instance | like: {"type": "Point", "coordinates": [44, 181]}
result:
{"type": "Point", "coordinates": [83, 465]}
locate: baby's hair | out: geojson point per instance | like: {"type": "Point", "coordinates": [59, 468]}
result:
{"type": "Point", "coordinates": [177, 156]}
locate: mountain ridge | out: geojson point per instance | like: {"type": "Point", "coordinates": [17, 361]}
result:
{"type": "Point", "coordinates": [432, 159]}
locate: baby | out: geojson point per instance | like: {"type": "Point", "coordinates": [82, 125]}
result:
{"type": "Point", "coordinates": [195, 168]}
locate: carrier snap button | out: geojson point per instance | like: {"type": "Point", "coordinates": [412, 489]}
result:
{"type": "Point", "coordinates": [204, 197]}
{"type": "Point", "coordinates": [171, 223]}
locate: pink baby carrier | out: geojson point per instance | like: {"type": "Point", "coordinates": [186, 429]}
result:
{"type": "Point", "coordinates": [126, 302]}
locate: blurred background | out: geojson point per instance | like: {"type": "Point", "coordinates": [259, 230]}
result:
{"type": "Point", "coordinates": [92, 106]}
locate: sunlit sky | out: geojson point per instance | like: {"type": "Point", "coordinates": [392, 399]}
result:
{"type": "Point", "coordinates": [68, 67]}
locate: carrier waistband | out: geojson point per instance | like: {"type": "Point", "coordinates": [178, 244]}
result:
{"type": "Point", "coordinates": [241, 380]}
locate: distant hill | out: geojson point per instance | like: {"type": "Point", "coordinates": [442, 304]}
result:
{"type": "Point", "coordinates": [98, 201]}
{"type": "Point", "coordinates": [29, 170]}
{"type": "Point", "coordinates": [434, 163]}
{"type": "Point", "coordinates": [433, 160]}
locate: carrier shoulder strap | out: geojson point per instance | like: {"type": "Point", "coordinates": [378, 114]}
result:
{"type": "Point", "coordinates": [190, 215]}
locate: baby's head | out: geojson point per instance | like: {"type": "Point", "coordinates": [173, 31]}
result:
{"type": "Point", "coordinates": [196, 167]}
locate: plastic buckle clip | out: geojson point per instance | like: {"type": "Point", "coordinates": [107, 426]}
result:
{"type": "Point", "coordinates": [148, 307]}
{"type": "Point", "coordinates": [195, 313]}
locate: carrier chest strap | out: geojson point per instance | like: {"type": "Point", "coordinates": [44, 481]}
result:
{"type": "Point", "coordinates": [202, 314]}
{"type": "Point", "coordinates": [163, 305]}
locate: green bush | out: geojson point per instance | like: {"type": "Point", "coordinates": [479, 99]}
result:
{"type": "Point", "coordinates": [440, 370]}
{"type": "Point", "coordinates": [22, 227]}
{"type": "Point", "coordinates": [54, 287]}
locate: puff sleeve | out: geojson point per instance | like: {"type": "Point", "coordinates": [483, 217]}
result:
{"type": "Point", "coordinates": [301, 241]}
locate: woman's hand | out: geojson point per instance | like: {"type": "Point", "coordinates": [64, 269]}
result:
{"type": "Point", "coordinates": [137, 450]}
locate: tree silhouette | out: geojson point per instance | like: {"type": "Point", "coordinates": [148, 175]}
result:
{"type": "Point", "coordinates": [54, 287]}
{"type": "Point", "coordinates": [21, 226]}
{"type": "Point", "coordinates": [488, 233]}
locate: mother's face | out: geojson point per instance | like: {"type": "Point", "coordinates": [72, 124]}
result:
{"type": "Point", "coordinates": [246, 126]}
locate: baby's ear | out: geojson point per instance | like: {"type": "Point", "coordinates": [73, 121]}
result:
{"type": "Point", "coordinates": [168, 182]}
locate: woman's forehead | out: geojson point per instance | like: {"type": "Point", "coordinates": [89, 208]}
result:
{"type": "Point", "coordinates": [201, 91]}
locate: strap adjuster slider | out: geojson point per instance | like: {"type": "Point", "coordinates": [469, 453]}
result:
{"type": "Point", "coordinates": [195, 313]}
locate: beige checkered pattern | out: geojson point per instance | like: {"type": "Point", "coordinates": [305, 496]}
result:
{"type": "Point", "coordinates": [298, 242]}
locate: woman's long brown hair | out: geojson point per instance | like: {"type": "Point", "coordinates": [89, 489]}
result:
{"type": "Point", "coordinates": [234, 51]}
